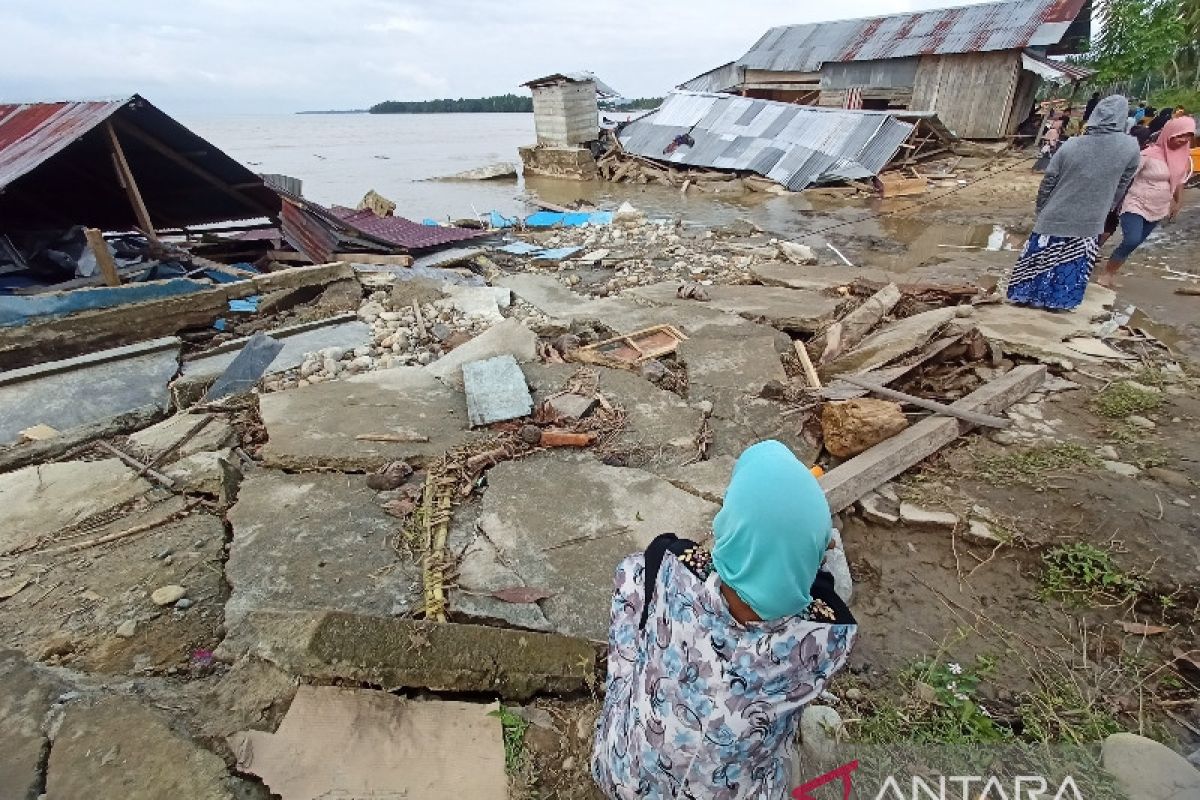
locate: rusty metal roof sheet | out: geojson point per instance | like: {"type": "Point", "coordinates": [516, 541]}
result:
{"type": "Point", "coordinates": [404, 232]}
{"type": "Point", "coordinates": [56, 169]}
{"type": "Point", "coordinates": [1055, 71]}
{"type": "Point", "coordinates": [793, 145]}
{"type": "Point", "coordinates": [1010, 25]}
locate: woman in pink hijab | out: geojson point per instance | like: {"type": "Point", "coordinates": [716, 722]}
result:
{"type": "Point", "coordinates": [1156, 191]}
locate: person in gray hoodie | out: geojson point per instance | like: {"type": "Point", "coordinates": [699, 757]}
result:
{"type": "Point", "coordinates": [1085, 180]}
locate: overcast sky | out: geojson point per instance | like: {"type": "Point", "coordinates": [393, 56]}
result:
{"type": "Point", "coordinates": [242, 56]}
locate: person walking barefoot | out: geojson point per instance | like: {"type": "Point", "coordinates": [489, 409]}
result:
{"type": "Point", "coordinates": [1156, 191]}
{"type": "Point", "coordinates": [1085, 180]}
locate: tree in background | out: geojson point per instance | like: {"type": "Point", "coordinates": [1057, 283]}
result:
{"type": "Point", "coordinates": [1149, 49]}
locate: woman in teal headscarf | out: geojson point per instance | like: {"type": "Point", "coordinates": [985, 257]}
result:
{"type": "Point", "coordinates": [712, 657]}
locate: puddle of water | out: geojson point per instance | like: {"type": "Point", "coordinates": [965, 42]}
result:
{"type": "Point", "coordinates": [1166, 334]}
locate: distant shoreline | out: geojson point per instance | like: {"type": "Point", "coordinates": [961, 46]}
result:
{"type": "Point", "coordinates": [348, 111]}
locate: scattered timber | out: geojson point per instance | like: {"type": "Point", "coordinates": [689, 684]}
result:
{"type": "Point", "coordinates": [986, 420]}
{"type": "Point", "coordinates": [845, 484]}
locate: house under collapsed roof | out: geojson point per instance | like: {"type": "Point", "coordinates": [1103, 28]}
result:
{"type": "Point", "coordinates": [977, 67]}
{"type": "Point", "coordinates": [117, 165]}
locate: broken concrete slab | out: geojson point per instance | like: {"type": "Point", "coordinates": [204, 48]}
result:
{"type": "Point", "coordinates": [214, 433]}
{"type": "Point", "coordinates": [395, 653]}
{"type": "Point", "coordinates": [746, 362]}
{"type": "Point", "coordinates": [1036, 334]}
{"type": "Point", "coordinates": [705, 479]}
{"type": "Point", "coordinates": [507, 338]}
{"type": "Point", "coordinates": [660, 424]}
{"type": "Point", "coordinates": [341, 742]}
{"type": "Point", "coordinates": [890, 342]}
{"type": "Point", "coordinates": [313, 542]}
{"type": "Point", "coordinates": [37, 502]}
{"type": "Point", "coordinates": [26, 694]}
{"type": "Point", "coordinates": [212, 472]}
{"type": "Point", "coordinates": [478, 302]}
{"type": "Point", "coordinates": [566, 534]}
{"type": "Point", "coordinates": [344, 331]}
{"type": "Point", "coordinates": [88, 389]}
{"type": "Point", "coordinates": [304, 434]}
{"type": "Point", "coordinates": [117, 747]}
{"type": "Point", "coordinates": [485, 572]}
{"type": "Point", "coordinates": [787, 309]}
{"type": "Point", "coordinates": [813, 278]}
{"type": "Point", "coordinates": [912, 514]}
{"type": "Point", "coordinates": [495, 390]}
{"type": "Point", "coordinates": [247, 367]}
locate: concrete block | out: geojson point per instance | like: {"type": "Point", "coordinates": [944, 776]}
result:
{"type": "Point", "coordinates": [496, 390]}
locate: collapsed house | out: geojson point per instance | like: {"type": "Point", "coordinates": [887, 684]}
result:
{"type": "Point", "coordinates": [566, 120]}
{"type": "Point", "coordinates": [795, 146]}
{"type": "Point", "coordinates": [978, 68]}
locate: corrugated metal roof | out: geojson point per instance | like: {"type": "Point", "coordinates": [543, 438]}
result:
{"type": "Point", "coordinates": [793, 145]}
{"type": "Point", "coordinates": [719, 79]}
{"type": "Point", "coordinates": [1054, 71]}
{"type": "Point", "coordinates": [966, 29]}
{"type": "Point", "coordinates": [404, 232]}
{"type": "Point", "coordinates": [56, 169]}
{"type": "Point", "coordinates": [602, 88]}
{"type": "Point", "coordinates": [30, 133]}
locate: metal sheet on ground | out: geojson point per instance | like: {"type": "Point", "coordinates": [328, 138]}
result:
{"type": "Point", "coordinates": [247, 368]}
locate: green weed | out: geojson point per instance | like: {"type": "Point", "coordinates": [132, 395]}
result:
{"type": "Point", "coordinates": [1031, 464]}
{"type": "Point", "coordinates": [1085, 575]}
{"type": "Point", "coordinates": [514, 728]}
{"type": "Point", "coordinates": [1121, 399]}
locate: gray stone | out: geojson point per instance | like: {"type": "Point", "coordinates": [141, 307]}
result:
{"type": "Point", "coordinates": [574, 406]}
{"type": "Point", "coordinates": [915, 515]}
{"type": "Point", "coordinates": [331, 338]}
{"type": "Point", "coordinates": [127, 629]}
{"type": "Point", "coordinates": [1141, 422]}
{"type": "Point", "coordinates": [506, 338]}
{"type": "Point", "coordinates": [892, 341]}
{"type": "Point", "coordinates": [41, 500]}
{"type": "Point", "coordinates": [313, 542]}
{"type": "Point", "coordinates": [88, 389]}
{"type": "Point", "coordinates": [26, 694]}
{"type": "Point", "coordinates": [441, 656]}
{"type": "Point", "coordinates": [1108, 453]}
{"type": "Point", "coordinates": [981, 533]}
{"type": "Point", "coordinates": [821, 729]}
{"type": "Point", "coordinates": [202, 473]}
{"type": "Point", "coordinates": [215, 433]}
{"type": "Point", "coordinates": [1147, 770]}
{"type": "Point", "coordinates": [564, 522]}
{"type": "Point", "coordinates": [838, 566]}
{"type": "Point", "coordinates": [304, 433]}
{"type": "Point", "coordinates": [1170, 477]}
{"type": "Point", "coordinates": [167, 595]}
{"type": "Point", "coordinates": [787, 309]}
{"type": "Point", "coordinates": [495, 390]}
{"type": "Point", "coordinates": [1034, 333]}
{"type": "Point", "coordinates": [479, 302]}
{"type": "Point", "coordinates": [1121, 468]}
{"type": "Point", "coordinates": [117, 747]}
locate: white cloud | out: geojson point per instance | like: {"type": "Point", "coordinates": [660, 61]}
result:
{"type": "Point", "coordinates": [225, 56]}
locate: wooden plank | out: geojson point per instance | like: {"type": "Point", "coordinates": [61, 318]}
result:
{"type": "Point", "coordinates": [845, 484]}
{"type": "Point", "coordinates": [154, 144]}
{"type": "Point", "coordinates": [104, 259]}
{"type": "Point", "coordinates": [810, 372]}
{"type": "Point", "coordinates": [130, 185]}
{"type": "Point", "coordinates": [377, 259]}
{"type": "Point", "coordinates": [985, 420]}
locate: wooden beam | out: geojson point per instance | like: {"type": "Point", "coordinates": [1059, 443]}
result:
{"type": "Point", "coordinates": [125, 175]}
{"type": "Point", "coordinates": [846, 483]}
{"type": "Point", "coordinates": [810, 372]}
{"type": "Point", "coordinates": [986, 420]}
{"type": "Point", "coordinates": [104, 259]}
{"type": "Point", "coordinates": [377, 259]}
{"type": "Point", "coordinates": [200, 172]}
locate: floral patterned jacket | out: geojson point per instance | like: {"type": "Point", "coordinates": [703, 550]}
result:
{"type": "Point", "coordinates": [698, 705]}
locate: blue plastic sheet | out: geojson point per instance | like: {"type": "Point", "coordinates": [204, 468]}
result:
{"type": "Point", "coordinates": [498, 220]}
{"type": "Point", "coordinates": [519, 248]}
{"type": "Point", "coordinates": [568, 219]}
{"type": "Point", "coordinates": [247, 305]}
{"type": "Point", "coordinates": [21, 309]}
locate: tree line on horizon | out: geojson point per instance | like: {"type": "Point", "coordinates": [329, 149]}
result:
{"type": "Point", "coordinates": [503, 103]}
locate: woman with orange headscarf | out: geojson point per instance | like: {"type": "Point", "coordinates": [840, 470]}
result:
{"type": "Point", "coordinates": [1156, 191]}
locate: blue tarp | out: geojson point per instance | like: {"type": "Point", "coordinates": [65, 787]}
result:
{"type": "Point", "coordinates": [247, 305]}
{"type": "Point", "coordinates": [569, 219]}
{"type": "Point", "coordinates": [498, 220]}
{"type": "Point", "coordinates": [22, 309]}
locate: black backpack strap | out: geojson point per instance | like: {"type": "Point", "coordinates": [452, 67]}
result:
{"type": "Point", "coordinates": [658, 549]}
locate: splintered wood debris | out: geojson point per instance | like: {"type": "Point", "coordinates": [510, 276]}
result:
{"type": "Point", "coordinates": [639, 346]}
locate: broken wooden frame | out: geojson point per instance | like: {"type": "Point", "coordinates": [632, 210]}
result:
{"type": "Point", "coordinates": [640, 346]}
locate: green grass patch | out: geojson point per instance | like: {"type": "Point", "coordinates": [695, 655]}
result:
{"type": "Point", "coordinates": [514, 728]}
{"type": "Point", "coordinates": [1121, 399]}
{"type": "Point", "coordinates": [1030, 464]}
{"type": "Point", "coordinates": [1082, 574]}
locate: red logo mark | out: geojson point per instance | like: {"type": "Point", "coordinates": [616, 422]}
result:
{"type": "Point", "coordinates": [843, 772]}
